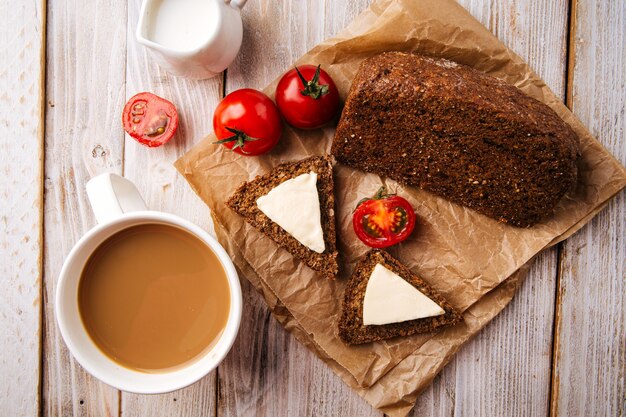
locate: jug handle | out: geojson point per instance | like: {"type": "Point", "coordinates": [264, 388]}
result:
{"type": "Point", "coordinates": [237, 3]}
{"type": "Point", "coordinates": [111, 196]}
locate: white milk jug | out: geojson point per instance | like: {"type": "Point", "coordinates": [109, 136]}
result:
{"type": "Point", "coordinates": [191, 38]}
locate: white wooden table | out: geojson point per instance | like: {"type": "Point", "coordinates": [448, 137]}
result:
{"type": "Point", "coordinates": [66, 70]}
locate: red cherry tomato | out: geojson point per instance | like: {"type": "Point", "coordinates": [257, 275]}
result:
{"type": "Point", "coordinates": [307, 97]}
{"type": "Point", "coordinates": [150, 119]}
{"type": "Point", "coordinates": [384, 220]}
{"type": "Point", "coordinates": [247, 122]}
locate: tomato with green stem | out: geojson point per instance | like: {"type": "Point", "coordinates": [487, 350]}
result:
{"type": "Point", "coordinates": [307, 97]}
{"type": "Point", "coordinates": [247, 122]}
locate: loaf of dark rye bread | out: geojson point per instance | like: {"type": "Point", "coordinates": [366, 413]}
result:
{"type": "Point", "coordinates": [243, 202]}
{"type": "Point", "coordinates": [459, 133]}
{"type": "Point", "coordinates": [351, 327]}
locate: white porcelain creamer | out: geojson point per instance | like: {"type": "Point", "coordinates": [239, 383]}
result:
{"type": "Point", "coordinates": [191, 38]}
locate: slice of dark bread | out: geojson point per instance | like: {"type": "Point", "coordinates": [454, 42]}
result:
{"type": "Point", "coordinates": [243, 202]}
{"type": "Point", "coordinates": [459, 133]}
{"type": "Point", "coordinates": [351, 327]}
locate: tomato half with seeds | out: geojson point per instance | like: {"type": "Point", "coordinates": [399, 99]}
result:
{"type": "Point", "coordinates": [149, 119]}
{"type": "Point", "coordinates": [383, 220]}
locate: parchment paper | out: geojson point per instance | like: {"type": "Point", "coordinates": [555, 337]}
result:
{"type": "Point", "coordinates": [466, 256]}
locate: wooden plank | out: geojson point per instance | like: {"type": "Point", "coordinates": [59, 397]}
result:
{"type": "Point", "coordinates": [269, 372]}
{"type": "Point", "coordinates": [506, 368]}
{"type": "Point", "coordinates": [22, 53]}
{"type": "Point", "coordinates": [164, 189]}
{"type": "Point", "coordinates": [590, 340]}
{"type": "Point", "coordinates": [85, 94]}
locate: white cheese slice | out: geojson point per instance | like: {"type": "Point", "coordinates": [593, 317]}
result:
{"type": "Point", "coordinates": [295, 206]}
{"type": "Point", "coordinates": [391, 299]}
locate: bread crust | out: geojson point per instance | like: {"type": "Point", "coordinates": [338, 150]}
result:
{"type": "Point", "coordinates": [459, 133]}
{"type": "Point", "coordinates": [351, 327]}
{"type": "Point", "coordinates": [243, 202]}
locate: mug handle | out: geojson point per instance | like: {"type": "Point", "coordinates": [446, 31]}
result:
{"type": "Point", "coordinates": [111, 196]}
{"type": "Point", "coordinates": [237, 3]}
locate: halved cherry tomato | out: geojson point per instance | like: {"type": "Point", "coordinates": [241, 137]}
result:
{"type": "Point", "coordinates": [384, 220]}
{"type": "Point", "coordinates": [307, 97]}
{"type": "Point", "coordinates": [247, 122]}
{"type": "Point", "coordinates": [150, 119]}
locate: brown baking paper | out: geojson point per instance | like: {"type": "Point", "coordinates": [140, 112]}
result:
{"type": "Point", "coordinates": [466, 256]}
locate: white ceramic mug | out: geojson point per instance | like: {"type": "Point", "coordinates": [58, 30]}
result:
{"type": "Point", "coordinates": [117, 206]}
{"type": "Point", "coordinates": [215, 50]}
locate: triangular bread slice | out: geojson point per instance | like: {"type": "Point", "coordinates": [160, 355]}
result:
{"type": "Point", "coordinates": [351, 327]}
{"type": "Point", "coordinates": [244, 203]}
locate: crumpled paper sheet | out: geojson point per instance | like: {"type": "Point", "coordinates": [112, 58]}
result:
{"type": "Point", "coordinates": [396, 392]}
{"type": "Point", "coordinates": [466, 256]}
